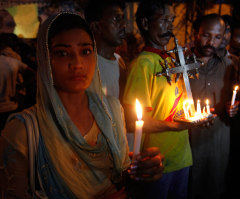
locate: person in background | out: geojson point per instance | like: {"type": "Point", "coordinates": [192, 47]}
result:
{"type": "Point", "coordinates": [210, 146]}
{"type": "Point", "coordinates": [7, 23]}
{"type": "Point", "coordinates": [161, 100]}
{"type": "Point", "coordinates": [12, 68]}
{"type": "Point", "coordinates": [106, 19]}
{"type": "Point", "coordinates": [235, 39]}
{"type": "Point", "coordinates": [233, 111]}
{"type": "Point", "coordinates": [231, 61]}
{"type": "Point", "coordinates": [74, 132]}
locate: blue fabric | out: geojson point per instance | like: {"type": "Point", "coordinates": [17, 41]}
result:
{"type": "Point", "coordinates": [173, 185]}
{"type": "Point", "coordinates": [53, 185]}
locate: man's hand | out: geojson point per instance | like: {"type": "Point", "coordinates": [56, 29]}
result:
{"type": "Point", "coordinates": [147, 166]}
{"type": "Point", "coordinates": [232, 110]}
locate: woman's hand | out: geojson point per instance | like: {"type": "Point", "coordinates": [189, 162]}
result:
{"type": "Point", "coordinates": [147, 166]}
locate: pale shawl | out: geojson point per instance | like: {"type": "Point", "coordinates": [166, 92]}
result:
{"type": "Point", "coordinates": [61, 146]}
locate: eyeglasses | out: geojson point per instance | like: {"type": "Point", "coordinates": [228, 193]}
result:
{"type": "Point", "coordinates": [167, 20]}
{"type": "Point", "coordinates": [164, 20]}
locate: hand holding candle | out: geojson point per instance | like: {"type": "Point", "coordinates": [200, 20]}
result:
{"type": "Point", "coordinates": [138, 130]}
{"type": "Point", "coordinates": [234, 95]}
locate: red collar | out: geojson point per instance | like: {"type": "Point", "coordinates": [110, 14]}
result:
{"type": "Point", "coordinates": [162, 53]}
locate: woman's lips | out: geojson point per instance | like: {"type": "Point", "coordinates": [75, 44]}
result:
{"type": "Point", "coordinates": [78, 77]}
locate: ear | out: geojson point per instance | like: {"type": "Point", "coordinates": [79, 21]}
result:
{"type": "Point", "coordinates": [145, 23]}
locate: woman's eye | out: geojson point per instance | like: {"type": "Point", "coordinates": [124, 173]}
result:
{"type": "Point", "coordinates": [61, 53]}
{"type": "Point", "coordinates": [87, 51]}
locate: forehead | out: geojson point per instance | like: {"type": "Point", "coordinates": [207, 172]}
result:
{"type": "Point", "coordinates": [111, 11]}
{"type": "Point", "coordinates": [76, 35]}
{"type": "Point", "coordinates": [212, 25]}
{"type": "Point", "coordinates": [166, 11]}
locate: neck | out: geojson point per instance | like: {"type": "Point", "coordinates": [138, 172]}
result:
{"type": "Point", "coordinates": [221, 52]}
{"type": "Point", "coordinates": [105, 50]}
{"type": "Point", "coordinates": [151, 44]}
{"type": "Point", "coordinates": [202, 58]}
{"type": "Point", "coordinates": [74, 102]}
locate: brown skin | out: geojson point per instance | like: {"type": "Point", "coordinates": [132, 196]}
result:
{"type": "Point", "coordinates": [156, 36]}
{"type": "Point", "coordinates": [232, 110]}
{"type": "Point", "coordinates": [209, 38]}
{"type": "Point", "coordinates": [159, 25]}
{"type": "Point", "coordinates": [109, 31]}
{"type": "Point", "coordinates": [73, 64]}
{"type": "Point", "coordinates": [225, 41]}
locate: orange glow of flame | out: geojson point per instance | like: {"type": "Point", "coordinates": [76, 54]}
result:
{"type": "Point", "coordinates": [207, 102]}
{"type": "Point", "coordinates": [198, 115]}
{"type": "Point", "coordinates": [138, 110]}
{"type": "Point", "coordinates": [187, 108]}
{"type": "Point", "coordinates": [236, 88]}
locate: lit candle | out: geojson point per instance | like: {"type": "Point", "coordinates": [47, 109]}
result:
{"type": "Point", "coordinates": [198, 107]}
{"type": "Point", "coordinates": [234, 95]}
{"type": "Point", "coordinates": [207, 107]}
{"type": "Point", "coordinates": [138, 130]}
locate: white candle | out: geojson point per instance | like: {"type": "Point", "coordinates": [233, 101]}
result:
{"type": "Point", "coordinates": [199, 108]}
{"type": "Point", "coordinates": [138, 130]}
{"type": "Point", "coordinates": [207, 107]}
{"type": "Point", "coordinates": [234, 95]}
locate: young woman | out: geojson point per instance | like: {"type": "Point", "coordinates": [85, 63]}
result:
{"type": "Point", "coordinates": [81, 149]}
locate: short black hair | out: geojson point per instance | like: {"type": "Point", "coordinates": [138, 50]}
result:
{"type": "Point", "coordinates": [147, 9]}
{"type": "Point", "coordinates": [68, 21]}
{"type": "Point", "coordinates": [9, 40]}
{"type": "Point", "coordinates": [235, 25]}
{"type": "Point", "coordinates": [200, 20]}
{"type": "Point", "coordinates": [95, 8]}
{"type": "Point", "coordinates": [227, 20]}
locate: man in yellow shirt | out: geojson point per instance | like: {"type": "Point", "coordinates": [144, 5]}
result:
{"type": "Point", "coordinates": [161, 100]}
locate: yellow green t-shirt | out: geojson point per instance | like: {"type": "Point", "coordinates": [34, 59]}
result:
{"type": "Point", "coordinates": [163, 102]}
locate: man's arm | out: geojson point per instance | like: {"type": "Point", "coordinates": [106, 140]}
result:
{"type": "Point", "coordinates": [151, 125]}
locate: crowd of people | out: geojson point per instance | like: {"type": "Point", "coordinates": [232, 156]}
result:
{"type": "Point", "coordinates": [67, 108]}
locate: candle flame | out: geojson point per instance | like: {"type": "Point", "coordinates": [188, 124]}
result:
{"type": "Point", "coordinates": [207, 102]}
{"type": "Point", "coordinates": [187, 108]}
{"type": "Point", "coordinates": [139, 110]}
{"type": "Point", "coordinates": [198, 115]}
{"type": "Point", "coordinates": [236, 88]}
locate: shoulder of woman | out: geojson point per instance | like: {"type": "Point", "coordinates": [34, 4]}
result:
{"type": "Point", "coordinates": [15, 134]}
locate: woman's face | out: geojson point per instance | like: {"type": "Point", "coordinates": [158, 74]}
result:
{"type": "Point", "coordinates": [73, 60]}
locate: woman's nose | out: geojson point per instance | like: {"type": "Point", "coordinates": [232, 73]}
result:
{"type": "Point", "coordinates": [76, 62]}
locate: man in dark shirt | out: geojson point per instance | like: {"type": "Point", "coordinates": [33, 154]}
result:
{"type": "Point", "coordinates": [210, 146]}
